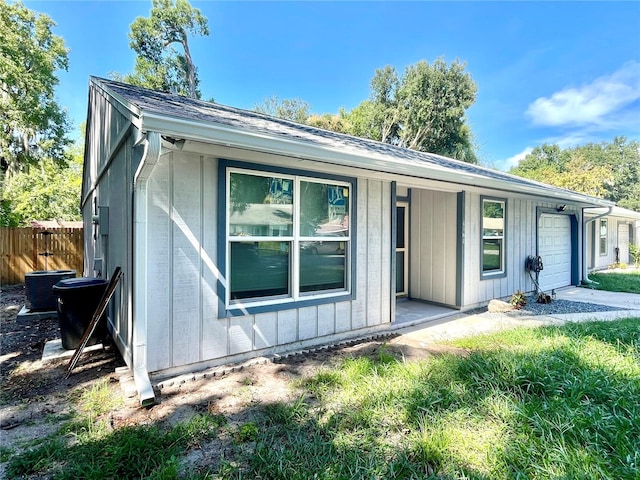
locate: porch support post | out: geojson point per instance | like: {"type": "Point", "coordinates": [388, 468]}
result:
{"type": "Point", "coordinates": [460, 249]}
{"type": "Point", "coordinates": [394, 233]}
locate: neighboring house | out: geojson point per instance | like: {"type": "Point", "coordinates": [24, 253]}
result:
{"type": "Point", "coordinates": [609, 233]}
{"type": "Point", "coordinates": [242, 235]}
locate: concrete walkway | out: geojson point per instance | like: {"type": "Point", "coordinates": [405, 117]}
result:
{"type": "Point", "coordinates": [462, 325]}
{"type": "Point", "coordinates": [629, 301]}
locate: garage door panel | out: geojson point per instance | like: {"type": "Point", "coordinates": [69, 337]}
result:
{"type": "Point", "coordinates": [554, 246]}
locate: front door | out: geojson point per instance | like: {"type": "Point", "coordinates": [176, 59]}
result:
{"type": "Point", "coordinates": [623, 242]}
{"type": "Point", "coordinates": [402, 249]}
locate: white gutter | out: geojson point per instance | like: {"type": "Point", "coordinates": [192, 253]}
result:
{"type": "Point", "coordinates": [151, 142]}
{"type": "Point", "coordinates": [585, 222]}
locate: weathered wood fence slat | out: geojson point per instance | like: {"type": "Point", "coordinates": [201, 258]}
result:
{"type": "Point", "coordinates": [24, 250]}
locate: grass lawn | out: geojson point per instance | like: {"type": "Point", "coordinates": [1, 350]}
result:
{"type": "Point", "coordinates": [629, 281]}
{"type": "Point", "coordinates": [552, 402]}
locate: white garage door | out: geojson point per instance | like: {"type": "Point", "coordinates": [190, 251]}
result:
{"type": "Point", "coordinates": [554, 246]}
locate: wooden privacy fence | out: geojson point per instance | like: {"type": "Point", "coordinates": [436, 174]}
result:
{"type": "Point", "coordinates": [23, 250]}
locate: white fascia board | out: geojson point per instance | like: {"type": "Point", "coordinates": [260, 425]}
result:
{"type": "Point", "coordinates": [251, 140]}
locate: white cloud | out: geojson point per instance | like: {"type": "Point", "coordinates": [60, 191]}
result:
{"type": "Point", "coordinates": [571, 140]}
{"type": "Point", "coordinates": [595, 103]}
{"type": "Point", "coordinates": [514, 160]}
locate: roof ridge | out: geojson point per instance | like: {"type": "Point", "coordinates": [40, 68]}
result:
{"type": "Point", "coordinates": [177, 106]}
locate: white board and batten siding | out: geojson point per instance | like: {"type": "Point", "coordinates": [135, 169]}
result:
{"type": "Point", "coordinates": [619, 232]}
{"type": "Point", "coordinates": [521, 241]}
{"type": "Point", "coordinates": [433, 246]}
{"type": "Point", "coordinates": [183, 323]}
{"type": "Point", "coordinates": [111, 143]}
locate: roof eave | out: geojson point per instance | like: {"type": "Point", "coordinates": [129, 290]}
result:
{"type": "Point", "coordinates": [248, 139]}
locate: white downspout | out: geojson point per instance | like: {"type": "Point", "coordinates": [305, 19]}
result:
{"type": "Point", "coordinates": [151, 142]}
{"type": "Point", "coordinates": [585, 222]}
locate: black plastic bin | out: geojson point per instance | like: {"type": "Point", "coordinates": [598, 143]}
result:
{"type": "Point", "coordinates": [78, 299]}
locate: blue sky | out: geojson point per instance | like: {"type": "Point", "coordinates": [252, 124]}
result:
{"type": "Point", "coordinates": [547, 72]}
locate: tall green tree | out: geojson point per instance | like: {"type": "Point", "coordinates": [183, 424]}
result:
{"type": "Point", "coordinates": [424, 109]}
{"type": "Point", "coordinates": [32, 124]}
{"type": "Point", "coordinates": [337, 123]}
{"type": "Point", "coordinates": [543, 164]}
{"type": "Point", "coordinates": [608, 170]}
{"type": "Point", "coordinates": [46, 191]}
{"type": "Point", "coordinates": [384, 107]}
{"type": "Point", "coordinates": [159, 65]}
{"type": "Point", "coordinates": [294, 109]}
{"type": "Point", "coordinates": [622, 157]}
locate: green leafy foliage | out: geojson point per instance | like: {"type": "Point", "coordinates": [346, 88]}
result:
{"type": "Point", "coordinates": [634, 251]}
{"type": "Point", "coordinates": [518, 299]}
{"type": "Point", "coordinates": [158, 64]}
{"type": "Point", "coordinates": [32, 124]}
{"type": "Point", "coordinates": [246, 433]}
{"type": "Point", "coordinates": [294, 109]}
{"type": "Point", "coordinates": [424, 109]}
{"type": "Point", "coordinates": [608, 170]}
{"type": "Point", "coordinates": [47, 191]}
{"type": "Point", "coordinates": [336, 123]}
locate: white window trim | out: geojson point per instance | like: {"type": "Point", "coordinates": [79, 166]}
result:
{"type": "Point", "coordinates": [295, 239]}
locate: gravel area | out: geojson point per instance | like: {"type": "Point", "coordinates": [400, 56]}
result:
{"type": "Point", "coordinates": [559, 307]}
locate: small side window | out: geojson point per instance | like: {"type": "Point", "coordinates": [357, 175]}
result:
{"type": "Point", "coordinates": [493, 236]}
{"type": "Point", "coordinates": [603, 236]}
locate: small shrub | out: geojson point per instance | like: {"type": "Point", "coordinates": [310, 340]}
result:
{"type": "Point", "coordinates": [246, 433]}
{"type": "Point", "coordinates": [518, 300]}
{"type": "Point", "coordinates": [543, 298]}
{"type": "Point", "coordinates": [634, 251]}
{"type": "Point", "coordinates": [620, 265]}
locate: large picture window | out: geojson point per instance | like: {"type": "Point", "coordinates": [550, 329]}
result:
{"type": "Point", "coordinates": [288, 237]}
{"type": "Point", "coordinates": [493, 235]}
{"type": "Point", "coordinates": [603, 236]}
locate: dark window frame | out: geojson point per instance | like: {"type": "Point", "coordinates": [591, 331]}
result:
{"type": "Point", "coordinates": [254, 306]}
{"type": "Point", "coordinates": [502, 272]}
{"type": "Point", "coordinates": [605, 237]}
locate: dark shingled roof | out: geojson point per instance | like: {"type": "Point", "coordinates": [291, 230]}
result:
{"type": "Point", "coordinates": [170, 105]}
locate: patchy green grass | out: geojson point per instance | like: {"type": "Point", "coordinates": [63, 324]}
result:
{"type": "Point", "coordinates": [559, 402]}
{"type": "Point", "coordinates": [87, 448]}
{"type": "Point", "coordinates": [552, 402]}
{"type": "Point", "coordinates": [628, 281]}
